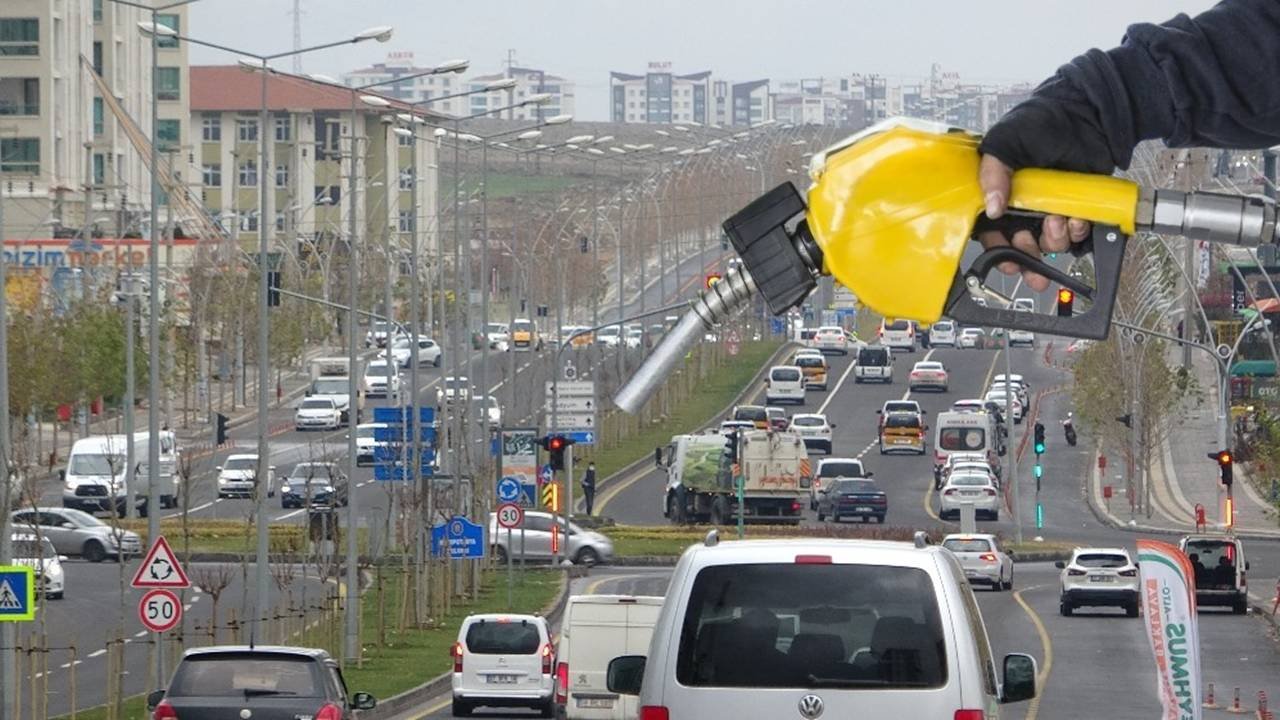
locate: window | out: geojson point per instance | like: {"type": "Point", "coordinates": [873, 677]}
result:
{"type": "Point", "coordinates": [282, 175]}
{"type": "Point", "coordinates": [20, 155]}
{"type": "Point", "coordinates": [405, 140]}
{"type": "Point", "coordinates": [406, 221]}
{"type": "Point", "coordinates": [211, 128]}
{"type": "Point", "coordinates": [99, 168]}
{"type": "Point", "coordinates": [249, 222]}
{"type": "Point", "coordinates": [99, 118]}
{"type": "Point", "coordinates": [20, 96]}
{"type": "Point", "coordinates": [168, 83]}
{"type": "Point", "coordinates": [247, 130]}
{"type": "Point", "coordinates": [97, 57]}
{"type": "Point", "coordinates": [171, 22]}
{"type": "Point", "coordinates": [97, 10]}
{"type": "Point", "coordinates": [168, 134]}
{"type": "Point", "coordinates": [279, 222]}
{"type": "Point", "coordinates": [284, 129]}
{"type": "Point", "coordinates": [406, 179]}
{"type": "Point", "coordinates": [212, 173]}
{"type": "Point", "coordinates": [235, 675]}
{"type": "Point", "coordinates": [332, 192]}
{"type": "Point", "coordinates": [19, 36]}
{"type": "Point", "coordinates": [249, 173]}
{"type": "Point", "coordinates": [501, 638]}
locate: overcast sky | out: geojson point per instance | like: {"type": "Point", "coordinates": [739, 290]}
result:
{"type": "Point", "coordinates": [987, 41]}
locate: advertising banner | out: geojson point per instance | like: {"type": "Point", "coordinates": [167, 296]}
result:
{"type": "Point", "coordinates": [1167, 594]}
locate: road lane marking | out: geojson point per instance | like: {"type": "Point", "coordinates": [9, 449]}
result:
{"type": "Point", "coordinates": [432, 710]}
{"type": "Point", "coordinates": [288, 515]}
{"type": "Point", "coordinates": [1033, 707]}
{"type": "Point", "coordinates": [97, 653]}
{"type": "Point", "coordinates": [839, 383]}
{"type": "Point", "coordinates": [140, 633]}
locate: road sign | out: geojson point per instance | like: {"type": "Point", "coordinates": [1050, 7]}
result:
{"type": "Point", "coordinates": [463, 538]}
{"type": "Point", "coordinates": [573, 420]}
{"type": "Point", "coordinates": [17, 593]}
{"type": "Point", "coordinates": [160, 568]}
{"type": "Point", "coordinates": [575, 388]}
{"type": "Point", "coordinates": [545, 474]}
{"type": "Point", "coordinates": [570, 404]}
{"type": "Point", "coordinates": [160, 610]}
{"type": "Point", "coordinates": [510, 515]}
{"type": "Point", "coordinates": [732, 341]}
{"type": "Point", "coordinates": [570, 372]}
{"type": "Point", "coordinates": [509, 489]}
{"type": "Point", "coordinates": [551, 497]}
{"type": "Point", "coordinates": [581, 436]}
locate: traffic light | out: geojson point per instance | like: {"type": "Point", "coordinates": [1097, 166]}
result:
{"type": "Point", "coordinates": [556, 445]}
{"type": "Point", "coordinates": [1066, 296]}
{"type": "Point", "coordinates": [220, 433]}
{"type": "Point", "coordinates": [1224, 460]}
{"type": "Point", "coordinates": [1039, 516]}
{"type": "Point", "coordinates": [584, 245]}
{"type": "Point", "coordinates": [713, 278]}
{"type": "Point", "coordinates": [1038, 470]}
{"type": "Point", "coordinates": [731, 446]}
{"type": "Point", "coordinates": [273, 288]}
{"type": "Point", "coordinates": [1039, 446]}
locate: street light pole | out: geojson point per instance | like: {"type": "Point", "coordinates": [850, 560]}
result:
{"type": "Point", "coordinates": [351, 636]}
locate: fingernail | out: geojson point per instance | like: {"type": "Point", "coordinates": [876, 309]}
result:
{"type": "Point", "coordinates": [995, 204]}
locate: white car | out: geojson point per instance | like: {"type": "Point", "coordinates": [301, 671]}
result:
{"type": "Point", "coordinates": [784, 384]}
{"type": "Point", "coordinates": [401, 351]}
{"type": "Point", "coordinates": [983, 559]}
{"type": "Point", "coordinates": [237, 476]}
{"type": "Point", "coordinates": [1024, 338]}
{"type": "Point", "coordinates": [610, 336]}
{"type": "Point", "coordinates": [502, 661]}
{"type": "Point", "coordinates": [1098, 577]}
{"type": "Point", "coordinates": [1002, 398]}
{"type": "Point", "coordinates": [453, 388]}
{"type": "Point", "coordinates": [367, 442]}
{"type": "Point", "coordinates": [899, 406]}
{"type": "Point", "coordinates": [498, 335]}
{"type": "Point", "coordinates": [375, 379]}
{"type": "Point", "coordinates": [379, 333]}
{"type": "Point", "coordinates": [488, 410]}
{"type": "Point", "coordinates": [1024, 304]}
{"type": "Point", "coordinates": [971, 338]}
{"type": "Point", "coordinates": [37, 553]}
{"type": "Point", "coordinates": [975, 487]}
{"type": "Point", "coordinates": [928, 374]}
{"type": "Point", "coordinates": [942, 333]}
{"type": "Point", "coordinates": [634, 337]}
{"type": "Point", "coordinates": [974, 461]}
{"type": "Point", "coordinates": [1019, 384]}
{"type": "Point", "coordinates": [814, 429]}
{"type": "Point", "coordinates": [831, 468]}
{"type": "Point", "coordinates": [729, 426]}
{"type": "Point", "coordinates": [317, 413]}
{"type": "Point", "coordinates": [831, 338]}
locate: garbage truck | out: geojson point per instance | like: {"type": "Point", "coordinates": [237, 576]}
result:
{"type": "Point", "coordinates": [703, 477]}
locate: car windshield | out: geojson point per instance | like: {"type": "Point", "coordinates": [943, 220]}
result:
{"type": "Point", "coordinates": [967, 544]}
{"type": "Point", "coordinates": [1101, 560]}
{"type": "Point", "coordinates": [453, 383]}
{"type": "Point", "coordinates": [812, 625]}
{"type": "Point", "coordinates": [872, 356]}
{"type": "Point", "coordinates": [785, 375]}
{"type": "Point", "coordinates": [929, 366]}
{"type": "Point", "coordinates": [898, 325]}
{"type": "Point", "coordinates": [840, 469]}
{"type": "Point", "coordinates": [313, 473]}
{"type": "Point", "coordinates": [810, 361]}
{"type": "Point", "coordinates": [902, 420]}
{"type": "Point", "coordinates": [973, 331]}
{"type": "Point", "coordinates": [750, 413]}
{"type": "Point", "coordinates": [317, 404]}
{"type": "Point", "coordinates": [501, 637]}
{"type": "Point", "coordinates": [808, 421]}
{"type": "Point", "coordinates": [776, 413]}
{"type": "Point", "coordinates": [969, 479]}
{"type": "Point", "coordinates": [943, 326]}
{"type": "Point", "coordinates": [900, 406]}
{"type": "Point", "coordinates": [962, 438]}
{"type": "Point", "coordinates": [381, 327]}
{"type": "Point", "coordinates": [496, 328]}
{"type": "Point", "coordinates": [95, 464]}
{"type": "Point", "coordinates": [377, 369]}
{"type": "Point", "coordinates": [366, 431]}
{"type": "Point", "coordinates": [240, 463]}
{"type": "Point", "coordinates": [610, 331]}
{"type": "Point", "coordinates": [243, 675]}
{"type": "Point", "coordinates": [330, 387]}
{"type": "Point", "coordinates": [24, 548]}
{"type": "Point", "coordinates": [522, 326]}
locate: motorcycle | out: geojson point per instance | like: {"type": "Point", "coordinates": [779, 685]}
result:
{"type": "Point", "coordinates": [1069, 429]}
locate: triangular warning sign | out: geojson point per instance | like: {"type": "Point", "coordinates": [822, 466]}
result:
{"type": "Point", "coordinates": [8, 598]}
{"type": "Point", "coordinates": [160, 568]}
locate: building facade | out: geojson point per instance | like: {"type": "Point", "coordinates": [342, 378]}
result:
{"type": "Point", "coordinates": [529, 81]}
{"type": "Point", "coordinates": [663, 97]}
{"type": "Point", "coordinates": [418, 90]}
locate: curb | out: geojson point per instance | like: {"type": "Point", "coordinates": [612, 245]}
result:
{"type": "Point", "coordinates": [440, 684]}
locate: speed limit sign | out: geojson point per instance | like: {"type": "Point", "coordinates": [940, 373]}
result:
{"type": "Point", "coordinates": [160, 610]}
{"type": "Point", "coordinates": [510, 515]}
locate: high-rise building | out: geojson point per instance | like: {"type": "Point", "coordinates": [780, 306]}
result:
{"type": "Point", "coordinates": [661, 96]}
{"type": "Point", "coordinates": [529, 81]}
{"type": "Point", "coordinates": [401, 64]}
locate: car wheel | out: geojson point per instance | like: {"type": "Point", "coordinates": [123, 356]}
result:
{"type": "Point", "coordinates": [93, 551]}
{"type": "Point", "coordinates": [461, 708]}
{"type": "Point", "coordinates": [1064, 608]}
{"type": "Point", "coordinates": [548, 708]}
{"type": "Point", "coordinates": [821, 516]}
{"type": "Point", "coordinates": [719, 511]}
{"type": "Point", "coordinates": [587, 556]}
{"type": "Point", "coordinates": [54, 596]}
{"type": "Point", "coordinates": [1239, 607]}
{"type": "Point", "coordinates": [1008, 584]}
{"type": "Point", "coordinates": [881, 448]}
{"type": "Point", "coordinates": [500, 554]}
{"type": "Point", "coordinates": [1131, 609]}
{"type": "Point", "coordinates": [879, 519]}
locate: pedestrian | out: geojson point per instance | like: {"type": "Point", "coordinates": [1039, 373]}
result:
{"type": "Point", "coordinates": [1189, 82]}
{"type": "Point", "coordinates": [589, 487]}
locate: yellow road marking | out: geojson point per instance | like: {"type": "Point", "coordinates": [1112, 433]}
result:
{"type": "Point", "coordinates": [1033, 707]}
{"type": "Point", "coordinates": [432, 710]}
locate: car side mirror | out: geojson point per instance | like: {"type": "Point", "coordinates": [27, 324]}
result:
{"type": "Point", "coordinates": [1019, 678]}
{"type": "Point", "coordinates": [1060, 565]}
{"type": "Point", "coordinates": [1010, 553]}
{"type": "Point", "coordinates": [1135, 563]}
{"type": "Point", "coordinates": [308, 393]}
{"type": "Point", "coordinates": [879, 412]}
{"type": "Point", "coordinates": [833, 426]}
{"type": "Point", "coordinates": [868, 473]}
{"type": "Point", "coordinates": [365, 701]}
{"type": "Point", "coordinates": [625, 674]}
{"type": "Point", "coordinates": [153, 699]}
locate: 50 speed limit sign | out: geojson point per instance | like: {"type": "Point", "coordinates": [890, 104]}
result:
{"type": "Point", "coordinates": [160, 610]}
{"type": "Point", "coordinates": [510, 515]}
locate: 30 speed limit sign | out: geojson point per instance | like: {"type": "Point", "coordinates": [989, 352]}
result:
{"type": "Point", "coordinates": [510, 515]}
{"type": "Point", "coordinates": [160, 610]}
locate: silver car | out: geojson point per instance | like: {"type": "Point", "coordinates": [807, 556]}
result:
{"type": "Point", "coordinates": [533, 541]}
{"type": "Point", "coordinates": [962, 487]}
{"type": "Point", "coordinates": [982, 558]}
{"type": "Point", "coordinates": [75, 532]}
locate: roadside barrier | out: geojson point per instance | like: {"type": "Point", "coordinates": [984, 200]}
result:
{"type": "Point", "coordinates": [1209, 699]}
{"type": "Point", "coordinates": [1235, 703]}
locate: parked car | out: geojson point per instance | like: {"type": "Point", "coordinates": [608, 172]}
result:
{"type": "Point", "coordinates": [852, 498]}
{"type": "Point", "coordinates": [314, 483]}
{"type": "Point", "coordinates": [1098, 577]}
{"type": "Point", "coordinates": [814, 430]}
{"type": "Point", "coordinates": [37, 553]}
{"type": "Point", "coordinates": [76, 532]}
{"type": "Point", "coordinates": [238, 476]}
{"type": "Point", "coordinates": [503, 661]}
{"type": "Point", "coordinates": [582, 547]}
{"type": "Point", "coordinates": [982, 558]}
{"type": "Point", "coordinates": [262, 682]}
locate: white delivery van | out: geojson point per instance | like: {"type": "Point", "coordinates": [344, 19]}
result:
{"type": "Point", "coordinates": [968, 432]}
{"type": "Point", "coordinates": [595, 629]}
{"type": "Point", "coordinates": [898, 334]}
{"type": "Point", "coordinates": [95, 477]}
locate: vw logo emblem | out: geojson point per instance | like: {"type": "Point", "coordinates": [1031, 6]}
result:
{"type": "Point", "coordinates": [811, 706]}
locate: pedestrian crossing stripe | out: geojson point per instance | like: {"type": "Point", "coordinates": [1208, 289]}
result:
{"type": "Point", "coordinates": [8, 598]}
{"type": "Point", "coordinates": [17, 593]}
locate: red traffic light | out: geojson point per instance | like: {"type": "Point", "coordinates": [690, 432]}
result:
{"type": "Point", "coordinates": [1066, 297]}
{"type": "Point", "coordinates": [555, 442]}
{"type": "Point", "coordinates": [713, 278]}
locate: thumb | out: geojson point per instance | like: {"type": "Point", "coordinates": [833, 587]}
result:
{"type": "Point", "coordinates": [994, 177]}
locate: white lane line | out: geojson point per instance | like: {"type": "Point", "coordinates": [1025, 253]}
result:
{"type": "Point", "coordinates": [140, 633]}
{"type": "Point", "coordinates": [194, 599]}
{"type": "Point", "coordinates": [66, 665]}
{"type": "Point", "coordinates": [97, 653]}
{"type": "Point", "coordinates": [366, 482]}
{"type": "Point", "coordinates": [288, 515]}
{"type": "Point", "coordinates": [186, 608]}
{"type": "Point", "coordinates": [836, 390]}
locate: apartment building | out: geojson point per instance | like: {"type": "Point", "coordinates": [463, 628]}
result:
{"type": "Point", "coordinates": [529, 81]}
{"type": "Point", "coordinates": [401, 64]}
{"type": "Point", "coordinates": [661, 96]}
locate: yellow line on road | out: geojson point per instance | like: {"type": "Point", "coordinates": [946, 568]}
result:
{"type": "Point", "coordinates": [1042, 680]}
{"type": "Point", "coordinates": [433, 709]}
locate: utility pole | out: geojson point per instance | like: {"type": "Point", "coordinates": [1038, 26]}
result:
{"type": "Point", "coordinates": [153, 329]}
{"type": "Point", "coordinates": [351, 644]}
{"type": "Point", "coordinates": [8, 631]}
{"type": "Point", "coordinates": [1183, 173]}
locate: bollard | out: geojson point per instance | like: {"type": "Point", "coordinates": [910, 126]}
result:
{"type": "Point", "coordinates": [1209, 699]}
{"type": "Point", "coordinates": [1235, 702]}
{"type": "Point", "coordinates": [1262, 704]}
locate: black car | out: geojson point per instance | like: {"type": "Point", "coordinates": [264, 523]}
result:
{"type": "Point", "coordinates": [312, 484]}
{"type": "Point", "coordinates": [267, 683]}
{"type": "Point", "coordinates": [853, 497]}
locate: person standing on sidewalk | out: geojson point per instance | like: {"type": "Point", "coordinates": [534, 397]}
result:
{"type": "Point", "coordinates": [589, 487]}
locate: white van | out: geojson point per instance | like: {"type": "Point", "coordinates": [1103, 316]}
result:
{"type": "Point", "coordinates": [502, 661]}
{"type": "Point", "coordinates": [874, 362]}
{"type": "Point", "coordinates": [94, 479]}
{"type": "Point", "coordinates": [595, 629]}
{"type": "Point", "coordinates": [898, 334]}
{"type": "Point", "coordinates": [969, 432]}
{"type": "Point", "coordinates": [784, 384]}
{"type": "Point", "coordinates": [942, 333]}
{"type": "Point", "coordinates": [820, 628]}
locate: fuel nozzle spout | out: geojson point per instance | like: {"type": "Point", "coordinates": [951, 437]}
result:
{"type": "Point", "coordinates": [712, 307]}
{"type": "Point", "coordinates": [1200, 215]}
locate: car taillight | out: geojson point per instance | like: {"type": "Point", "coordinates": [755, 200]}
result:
{"type": "Point", "coordinates": [989, 557]}
{"type": "Point", "coordinates": [969, 715]}
{"type": "Point", "coordinates": [949, 491]}
{"type": "Point", "coordinates": [457, 657]}
{"type": "Point", "coordinates": [164, 711]}
{"type": "Point", "coordinates": [654, 712]}
{"type": "Point", "coordinates": [1075, 573]}
{"type": "Point", "coordinates": [1129, 573]}
{"type": "Point", "coordinates": [562, 683]}
{"type": "Point", "coordinates": [546, 659]}
{"type": "Point", "coordinates": [329, 711]}
{"type": "Point", "coordinates": [990, 491]}
{"type": "Point", "coordinates": [795, 506]}
{"type": "Point", "coordinates": [813, 559]}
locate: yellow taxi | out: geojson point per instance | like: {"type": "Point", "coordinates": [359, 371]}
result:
{"type": "Point", "coordinates": [902, 432]}
{"type": "Point", "coordinates": [814, 366]}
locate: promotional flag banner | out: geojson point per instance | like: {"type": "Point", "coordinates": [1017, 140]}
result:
{"type": "Point", "coordinates": [1168, 599]}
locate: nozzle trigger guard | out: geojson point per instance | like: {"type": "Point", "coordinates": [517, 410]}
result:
{"type": "Point", "coordinates": [1107, 245]}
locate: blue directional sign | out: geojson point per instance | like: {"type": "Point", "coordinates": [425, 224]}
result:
{"type": "Point", "coordinates": [17, 593]}
{"type": "Point", "coordinates": [463, 538]}
{"type": "Point", "coordinates": [581, 436]}
{"type": "Point", "coordinates": [389, 464]}
{"type": "Point", "coordinates": [509, 489]}
{"type": "Point", "coordinates": [545, 474]}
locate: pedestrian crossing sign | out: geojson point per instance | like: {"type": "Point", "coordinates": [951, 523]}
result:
{"type": "Point", "coordinates": [17, 594]}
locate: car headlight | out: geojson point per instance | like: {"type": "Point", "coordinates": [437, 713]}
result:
{"type": "Point", "coordinates": [69, 485]}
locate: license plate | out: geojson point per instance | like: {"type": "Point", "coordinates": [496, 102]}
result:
{"type": "Point", "coordinates": [1101, 578]}
{"type": "Point", "coordinates": [502, 679]}
{"type": "Point", "coordinates": [605, 703]}
{"type": "Point", "coordinates": [862, 508]}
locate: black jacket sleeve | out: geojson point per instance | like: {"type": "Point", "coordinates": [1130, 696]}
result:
{"type": "Point", "coordinates": [1212, 80]}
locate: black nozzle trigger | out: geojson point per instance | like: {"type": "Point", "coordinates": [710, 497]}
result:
{"type": "Point", "coordinates": [992, 257]}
